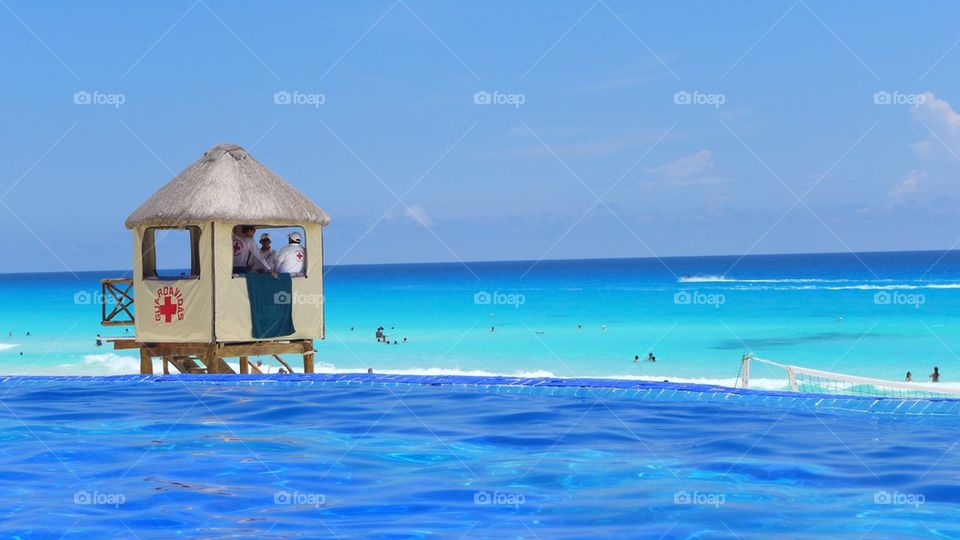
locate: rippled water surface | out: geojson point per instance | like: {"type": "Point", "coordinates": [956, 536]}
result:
{"type": "Point", "coordinates": [92, 458]}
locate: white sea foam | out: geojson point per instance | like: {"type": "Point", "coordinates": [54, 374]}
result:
{"type": "Point", "coordinates": [113, 363]}
{"type": "Point", "coordinates": [704, 279]}
{"type": "Point", "coordinates": [755, 383]}
{"type": "Point", "coordinates": [8, 346]}
{"type": "Point", "coordinates": [327, 368]}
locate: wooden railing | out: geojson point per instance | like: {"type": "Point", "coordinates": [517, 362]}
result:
{"type": "Point", "coordinates": [121, 291]}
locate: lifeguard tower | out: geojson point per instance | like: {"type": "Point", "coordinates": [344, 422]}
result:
{"type": "Point", "coordinates": [198, 318]}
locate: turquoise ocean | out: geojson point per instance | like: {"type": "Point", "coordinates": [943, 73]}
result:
{"type": "Point", "coordinates": [870, 314]}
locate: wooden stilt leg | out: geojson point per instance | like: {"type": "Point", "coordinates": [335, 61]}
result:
{"type": "Point", "coordinates": [244, 364]}
{"type": "Point", "coordinates": [308, 354]}
{"type": "Point", "coordinates": [308, 362]}
{"type": "Point", "coordinates": [213, 362]}
{"type": "Point", "coordinates": [166, 366]}
{"type": "Point", "coordinates": [146, 362]}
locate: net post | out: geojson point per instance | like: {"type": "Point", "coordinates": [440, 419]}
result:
{"type": "Point", "coordinates": [792, 377]}
{"type": "Point", "coordinates": [745, 370]}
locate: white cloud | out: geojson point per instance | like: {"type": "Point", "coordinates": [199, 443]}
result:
{"type": "Point", "coordinates": [938, 116]}
{"type": "Point", "coordinates": [695, 169]}
{"type": "Point", "coordinates": [418, 214]}
{"type": "Point", "coordinates": [688, 166]}
{"type": "Point", "coordinates": [907, 186]}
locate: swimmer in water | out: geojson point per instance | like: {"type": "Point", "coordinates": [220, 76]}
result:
{"type": "Point", "coordinates": [935, 376]}
{"type": "Point", "coordinates": [909, 377]}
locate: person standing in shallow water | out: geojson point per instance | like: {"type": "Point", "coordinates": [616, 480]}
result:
{"type": "Point", "coordinates": [909, 377]}
{"type": "Point", "coordinates": [935, 376]}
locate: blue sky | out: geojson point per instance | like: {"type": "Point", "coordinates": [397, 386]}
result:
{"type": "Point", "coordinates": [592, 150]}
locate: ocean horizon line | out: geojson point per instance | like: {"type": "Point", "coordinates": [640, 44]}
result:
{"type": "Point", "coordinates": [540, 261]}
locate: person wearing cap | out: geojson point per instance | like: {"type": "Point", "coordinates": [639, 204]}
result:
{"type": "Point", "coordinates": [245, 251]}
{"type": "Point", "coordinates": [266, 253]}
{"type": "Point", "coordinates": [290, 259]}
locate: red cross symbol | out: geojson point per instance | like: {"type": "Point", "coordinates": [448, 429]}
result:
{"type": "Point", "coordinates": [299, 255]}
{"type": "Point", "coordinates": [168, 309]}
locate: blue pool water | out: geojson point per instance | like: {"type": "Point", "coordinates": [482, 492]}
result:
{"type": "Point", "coordinates": [158, 457]}
{"type": "Point", "coordinates": [871, 314]}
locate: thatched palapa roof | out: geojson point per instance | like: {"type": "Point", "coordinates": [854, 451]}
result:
{"type": "Point", "coordinates": [227, 184]}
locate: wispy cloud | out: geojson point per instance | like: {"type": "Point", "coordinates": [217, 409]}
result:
{"type": "Point", "coordinates": [906, 187]}
{"type": "Point", "coordinates": [418, 214]}
{"type": "Point", "coordinates": [696, 168]}
{"type": "Point", "coordinates": [943, 123]}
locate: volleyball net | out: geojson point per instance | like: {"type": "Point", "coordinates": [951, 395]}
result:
{"type": "Point", "coordinates": [815, 381]}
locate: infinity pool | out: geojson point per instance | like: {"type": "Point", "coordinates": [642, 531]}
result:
{"type": "Point", "coordinates": [318, 456]}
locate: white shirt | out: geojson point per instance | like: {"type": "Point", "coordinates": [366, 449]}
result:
{"type": "Point", "coordinates": [268, 256]}
{"type": "Point", "coordinates": [290, 259]}
{"type": "Point", "coordinates": [243, 249]}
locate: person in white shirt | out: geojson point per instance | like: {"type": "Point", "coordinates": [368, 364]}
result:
{"type": "Point", "coordinates": [266, 252]}
{"type": "Point", "coordinates": [245, 251]}
{"type": "Point", "coordinates": [291, 258]}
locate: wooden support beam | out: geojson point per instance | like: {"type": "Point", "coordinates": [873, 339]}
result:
{"type": "Point", "coordinates": [286, 365]}
{"type": "Point", "coordinates": [308, 362]}
{"type": "Point", "coordinates": [146, 362]}
{"type": "Point", "coordinates": [196, 357]}
{"type": "Point", "coordinates": [213, 366]}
